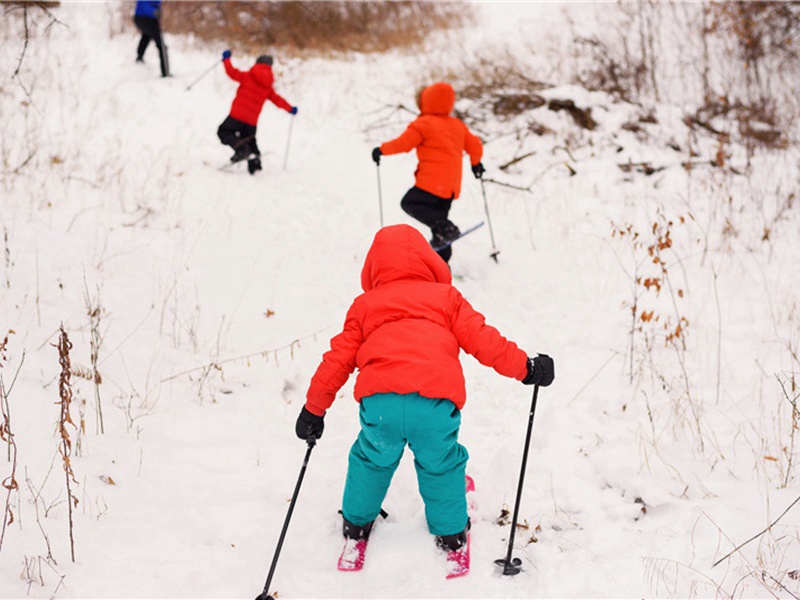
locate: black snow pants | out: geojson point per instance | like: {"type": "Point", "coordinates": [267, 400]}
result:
{"type": "Point", "coordinates": [151, 30]}
{"type": "Point", "coordinates": [238, 135]}
{"type": "Point", "coordinates": [428, 209]}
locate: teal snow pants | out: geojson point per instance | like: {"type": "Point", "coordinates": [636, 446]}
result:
{"type": "Point", "coordinates": [430, 428]}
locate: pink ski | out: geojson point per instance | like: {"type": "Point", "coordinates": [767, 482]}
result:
{"type": "Point", "coordinates": [352, 558]}
{"type": "Point", "coordinates": [458, 561]}
{"type": "Point", "coordinates": [470, 488]}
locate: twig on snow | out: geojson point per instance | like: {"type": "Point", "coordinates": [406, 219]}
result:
{"type": "Point", "coordinates": [759, 534]}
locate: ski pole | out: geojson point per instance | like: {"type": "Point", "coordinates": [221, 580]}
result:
{"type": "Point", "coordinates": [288, 141]}
{"type": "Point", "coordinates": [511, 566]}
{"type": "Point", "coordinates": [495, 251]}
{"type": "Point", "coordinates": [380, 194]}
{"type": "Point", "coordinates": [264, 595]}
{"type": "Point", "coordinates": [211, 68]}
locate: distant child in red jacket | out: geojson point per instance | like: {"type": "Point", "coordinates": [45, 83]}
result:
{"type": "Point", "coordinates": [404, 334]}
{"type": "Point", "coordinates": [440, 140]}
{"type": "Point", "coordinates": [255, 87]}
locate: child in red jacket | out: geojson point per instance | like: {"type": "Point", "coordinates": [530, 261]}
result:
{"type": "Point", "coordinates": [440, 140]}
{"type": "Point", "coordinates": [404, 334]}
{"type": "Point", "coordinates": [255, 87]}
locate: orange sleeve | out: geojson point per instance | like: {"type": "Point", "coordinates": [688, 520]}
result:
{"type": "Point", "coordinates": [473, 146]}
{"type": "Point", "coordinates": [336, 366]}
{"type": "Point", "coordinates": [232, 71]}
{"type": "Point", "coordinates": [484, 342]}
{"type": "Point", "coordinates": [408, 140]}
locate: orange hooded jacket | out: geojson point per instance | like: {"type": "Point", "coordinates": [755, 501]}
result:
{"type": "Point", "coordinates": [255, 87]}
{"type": "Point", "coordinates": [440, 141]}
{"type": "Point", "coordinates": [405, 331]}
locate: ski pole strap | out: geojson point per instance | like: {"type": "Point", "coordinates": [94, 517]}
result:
{"type": "Point", "coordinates": [383, 513]}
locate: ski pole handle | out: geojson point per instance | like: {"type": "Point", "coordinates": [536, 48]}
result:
{"type": "Point", "coordinates": [311, 440]}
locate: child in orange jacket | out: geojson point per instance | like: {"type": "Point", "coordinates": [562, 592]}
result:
{"type": "Point", "coordinates": [440, 140]}
{"type": "Point", "coordinates": [404, 334]}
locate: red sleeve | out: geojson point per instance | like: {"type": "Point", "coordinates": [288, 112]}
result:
{"type": "Point", "coordinates": [408, 140]}
{"type": "Point", "coordinates": [336, 366]}
{"type": "Point", "coordinates": [484, 342]}
{"type": "Point", "coordinates": [232, 71]}
{"type": "Point", "coordinates": [473, 146]}
{"type": "Point", "coordinates": [279, 101]}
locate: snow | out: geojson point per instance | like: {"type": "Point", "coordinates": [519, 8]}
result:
{"type": "Point", "coordinates": [633, 488]}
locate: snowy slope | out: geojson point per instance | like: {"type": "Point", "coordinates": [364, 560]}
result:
{"type": "Point", "coordinates": [219, 292]}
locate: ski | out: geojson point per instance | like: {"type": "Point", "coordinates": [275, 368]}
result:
{"type": "Point", "coordinates": [352, 557]}
{"type": "Point", "coordinates": [458, 561]}
{"type": "Point", "coordinates": [229, 164]}
{"type": "Point", "coordinates": [472, 506]}
{"type": "Point", "coordinates": [460, 235]}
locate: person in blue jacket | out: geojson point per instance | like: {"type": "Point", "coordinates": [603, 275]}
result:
{"type": "Point", "coordinates": [148, 20]}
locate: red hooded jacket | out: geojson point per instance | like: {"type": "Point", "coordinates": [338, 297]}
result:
{"type": "Point", "coordinates": [255, 87]}
{"type": "Point", "coordinates": [405, 331]}
{"type": "Point", "coordinates": [440, 140]}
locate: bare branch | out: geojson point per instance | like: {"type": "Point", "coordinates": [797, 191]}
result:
{"type": "Point", "coordinates": [759, 534]}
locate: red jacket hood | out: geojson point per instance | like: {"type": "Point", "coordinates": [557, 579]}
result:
{"type": "Point", "coordinates": [437, 99]}
{"type": "Point", "coordinates": [263, 74]}
{"type": "Point", "coordinates": [401, 252]}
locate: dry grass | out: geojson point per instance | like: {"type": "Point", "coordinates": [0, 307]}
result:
{"type": "Point", "coordinates": [313, 26]}
{"type": "Point", "coordinates": [9, 5]}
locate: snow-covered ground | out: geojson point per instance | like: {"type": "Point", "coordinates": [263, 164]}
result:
{"type": "Point", "coordinates": [216, 294]}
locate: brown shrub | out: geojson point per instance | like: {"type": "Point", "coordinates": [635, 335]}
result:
{"type": "Point", "coordinates": [758, 123]}
{"type": "Point", "coordinates": [11, 4]}
{"type": "Point", "coordinates": [760, 29]}
{"type": "Point", "coordinates": [622, 76]}
{"type": "Point", "coordinates": [499, 85]}
{"type": "Point", "coordinates": [313, 26]}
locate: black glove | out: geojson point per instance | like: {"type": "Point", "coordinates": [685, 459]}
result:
{"type": "Point", "coordinates": [541, 371]}
{"type": "Point", "coordinates": [309, 424]}
{"type": "Point", "coordinates": [376, 155]}
{"type": "Point", "coordinates": [478, 170]}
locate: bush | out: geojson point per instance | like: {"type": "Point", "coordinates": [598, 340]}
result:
{"type": "Point", "coordinates": [313, 26]}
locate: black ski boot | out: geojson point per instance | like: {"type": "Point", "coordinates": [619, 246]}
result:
{"type": "Point", "coordinates": [243, 150]}
{"type": "Point", "coordinates": [253, 165]}
{"type": "Point", "coordinates": [444, 231]}
{"type": "Point", "coordinates": [240, 155]}
{"type": "Point", "coordinates": [450, 543]}
{"type": "Point", "coordinates": [356, 532]}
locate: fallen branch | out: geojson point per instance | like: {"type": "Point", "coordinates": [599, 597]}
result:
{"type": "Point", "coordinates": [759, 534]}
{"type": "Point", "coordinates": [264, 353]}
{"type": "Point", "coordinates": [592, 378]}
{"type": "Point", "coordinates": [515, 160]}
{"type": "Point", "coordinates": [508, 185]}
